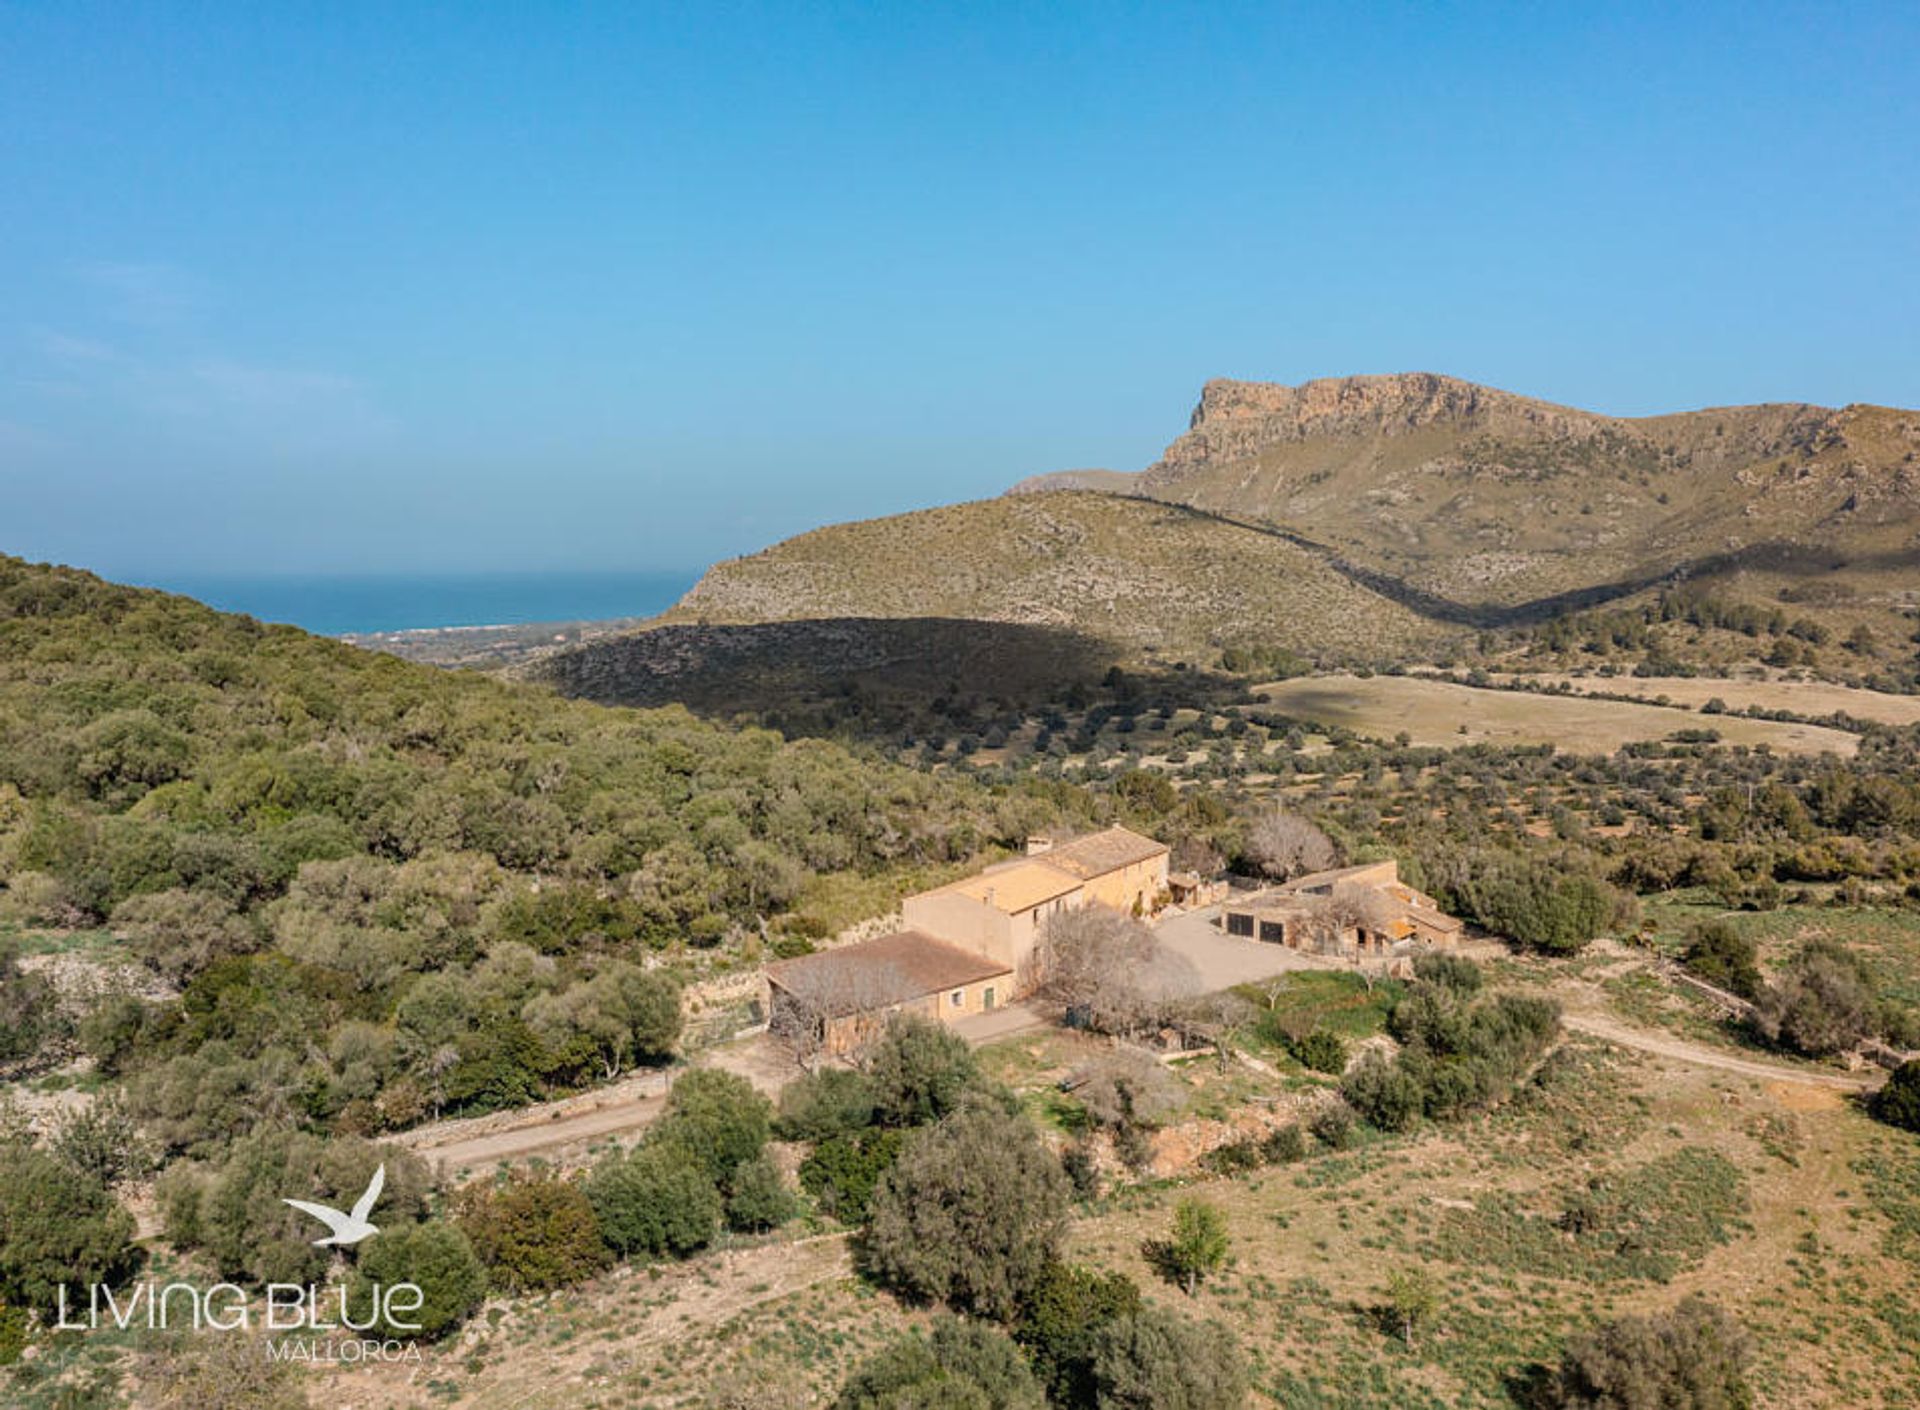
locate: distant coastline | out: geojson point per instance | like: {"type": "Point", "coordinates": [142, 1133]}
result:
{"type": "Point", "coordinates": [363, 605]}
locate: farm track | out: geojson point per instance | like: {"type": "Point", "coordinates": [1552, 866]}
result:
{"type": "Point", "coordinates": [1611, 1030]}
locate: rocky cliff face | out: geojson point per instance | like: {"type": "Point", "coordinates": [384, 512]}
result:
{"type": "Point", "coordinates": [1472, 493]}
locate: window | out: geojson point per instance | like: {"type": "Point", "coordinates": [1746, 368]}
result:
{"type": "Point", "coordinates": [957, 997]}
{"type": "Point", "coordinates": [1239, 923]}
{"type": "Point", "coordinates": [1273, 931]}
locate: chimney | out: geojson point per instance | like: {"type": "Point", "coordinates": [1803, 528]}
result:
{"type": "Point", "coordinates": [1037, 843]}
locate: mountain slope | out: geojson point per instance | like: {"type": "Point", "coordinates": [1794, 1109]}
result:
{"type": "Point", "coordinates": [1145, 578]}
{"type": "Point", "coordinates": [1480, 496]}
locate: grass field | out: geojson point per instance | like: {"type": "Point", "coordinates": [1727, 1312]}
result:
{"type": "Point", "coordinates": [1439, 713]}
{"type": "Point", "coordinates": [1813, 698]}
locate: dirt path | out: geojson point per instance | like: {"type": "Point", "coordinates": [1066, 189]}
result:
{"type": "Point", "coordinates": [554, 1130]}
{"type": "Point", "coordinates": [1700, 1055]}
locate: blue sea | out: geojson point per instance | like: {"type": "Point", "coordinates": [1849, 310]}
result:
{"type": "Point", "coordinates": [336, 605]}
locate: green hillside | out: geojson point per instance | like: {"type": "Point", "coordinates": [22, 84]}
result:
{"type": "Point", "coordinates": [433, 870]}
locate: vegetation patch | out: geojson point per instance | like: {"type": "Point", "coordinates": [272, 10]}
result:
{"type": "Point", "coordinates": [1647, 1223]}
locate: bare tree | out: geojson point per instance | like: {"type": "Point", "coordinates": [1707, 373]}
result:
{"type": "Point", "coordinates": [1283, 845]}
{"type": "Point", "coordinates": [1110, 969]}
{"type": "Point", "coordinates": [1128, 1087]}
{"type": "Point", "coordinates": [833, 989]}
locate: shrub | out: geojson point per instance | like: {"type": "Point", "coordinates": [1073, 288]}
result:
{"type": "Point", "coordinates": [1322, 1051]}
{"type": "Point", "coordinates": [920, 1070]}
{"type": "Point", "coordinates": [533, 1230]}
{"type": "Point", "coordinates": [1553, 911]}
{"type": "Point", "coordinates": [757, 1198]}
{"type": "Point", "coordinates": [1332, 1125]}
{"type": "Point", "coordinates": [1196, 1247]}
{"type": "Point", "coordinates": [57, 1226]}
{"type": "Point", "coordinates": [1285, 1145]}
{"type": "Point", "coordinates": [102, 1141]}
{"type": "Point", "coordinates": [1155, 1360]}
{"type": "Point", "coordinates": [235, 1208]}
{"type": "Point", "coordinates": [834, 1101]}
{"type": "Point", "coordinates": [842, 1171]}
{"type": "Point", "coordinates": [1061, 1322]}
{"type": "Point", "coordinates": [438, 1258]}
{"type": "Point", "coordinates": [1690, 1358]}
{"type": "Point", "coordinates": [1898, 1102]}
{"type": "Point", "coordinates": [1823, 1004]}
{"type": "Point", "coordinates": [1718, 953]}
{"type": "Point", "coordinates": [1129, 1087]}
{"type": "Point", "coordinates": [658, 1201]}
{"type": "Point", "coordinates": [961, 1366]}
{"type": "Point", "coordinates": [1455, 973]}
{"type": "Point", "coordinates": [1384, 1092]}
{"type": "Point", "coordinates": [971, 1213]}
{"type": "Point", "coordinates": [718, 1117]}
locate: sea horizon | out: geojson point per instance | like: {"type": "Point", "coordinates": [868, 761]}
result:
{"type": "Point", "coordinates": [348, 604]}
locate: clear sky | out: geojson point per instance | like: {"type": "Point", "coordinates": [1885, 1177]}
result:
{"type": "Point", "coordinates": [338, 287]}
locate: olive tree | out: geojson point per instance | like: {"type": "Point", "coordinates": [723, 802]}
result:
{"type": "Point", "coordinates": [970, 1214]}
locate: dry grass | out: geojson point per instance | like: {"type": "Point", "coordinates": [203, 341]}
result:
{"type": "Point", "coordinates": [1440, 713]}
{"type": "Point", "coordinates": [1811, 698]}
{"type": "Point", "coordinates": [1137, 574]}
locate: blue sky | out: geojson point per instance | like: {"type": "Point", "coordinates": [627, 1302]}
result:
{"type": "Point", "coordinates": [354, 288]}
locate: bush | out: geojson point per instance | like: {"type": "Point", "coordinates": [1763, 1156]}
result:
{"type": "Point", "coordinates": [1384, 1092]}
{"type": "Point", "coordinates": [919, 1070]}
{"type": "Point", "coordinates": [102, 1141]}
{"type": "Point", "coordinates": [961, 1366]}
{"type": "Point", "coordinates": [1691, 1358]}
{"type": "Point", "coordinates": [1823, 1005]}
{"type": "Point", "coordinates": [57, 1227]}
{"type": "Point", "coordinates": [1322, 1051]}
{"type": "Point", "coordinates": [718, 1117]}
{"type": "Point", "coordinates": [1061, 1322]}
{"type": "Point", "coordinates": [534, 1231]}
{"type": "Point", "coordinates": [1898, 1102]}
{"type": "Point", "coordinates": [971, 1213]}
{"type": "Point", "coordinates": [1332, 1125]}
{"type": "Point", "coordinates": [658, 1201]}
{"type": "Point", "coordinates": [1553, 911]}
{"type": "Point", "coordinates": [1454, 973]}
{"type": "Point", "coordinates": [235, 1208]}
{"type": "Point", "coordinates": [1155, 1360]}
{"type": "Point", "coordinates": [842, 1171]}
{"type": "Point", "coordinates": [834, 1101]}
{"type": "Point", "coordinates": [438, 1258]}
{"type": "Point", "coordinates": [1718, 953]}
{"type": "Point", "coordinates": [1196, 1247]}
{"type": "Point", "coordinates": [1285, 1145]}
{"type": "Point", "coordinates": [757, 1198]}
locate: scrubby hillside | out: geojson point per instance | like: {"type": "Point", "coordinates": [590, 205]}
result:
{"type": "Point", "coordinates": [452, 880]}
{"type": "Point", "coordinates": [1154, 580]}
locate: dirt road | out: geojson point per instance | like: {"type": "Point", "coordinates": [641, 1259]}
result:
{"type": "Point", "coordinates": [1700, 1055]}
{"type": "Point", "coordinates": [565, 1129]}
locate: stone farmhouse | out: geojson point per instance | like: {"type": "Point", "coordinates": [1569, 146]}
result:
{"type": "Point", "coordinates": [966, 947]}
{"type": "Point", "coordinates": [1357, 911]}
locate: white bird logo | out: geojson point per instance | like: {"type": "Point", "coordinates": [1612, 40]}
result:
{"type": "Point", "coordinates": [351, 1227]}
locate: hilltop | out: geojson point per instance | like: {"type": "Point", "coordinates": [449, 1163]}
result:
{"type": "Point", "coordinates": [1150, 579]}
{"type": "Point", "coordinates": [1478, 496]}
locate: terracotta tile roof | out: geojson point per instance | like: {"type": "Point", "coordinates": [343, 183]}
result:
{"type": "Point", "coordinates": [1098, 853]}
{"type": "Point", "coordinates": [1015, 886]}
{"type": "Point", "coordinates": [1335, 875]}
{"type": "Point", "coordinates": [875, 974]}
